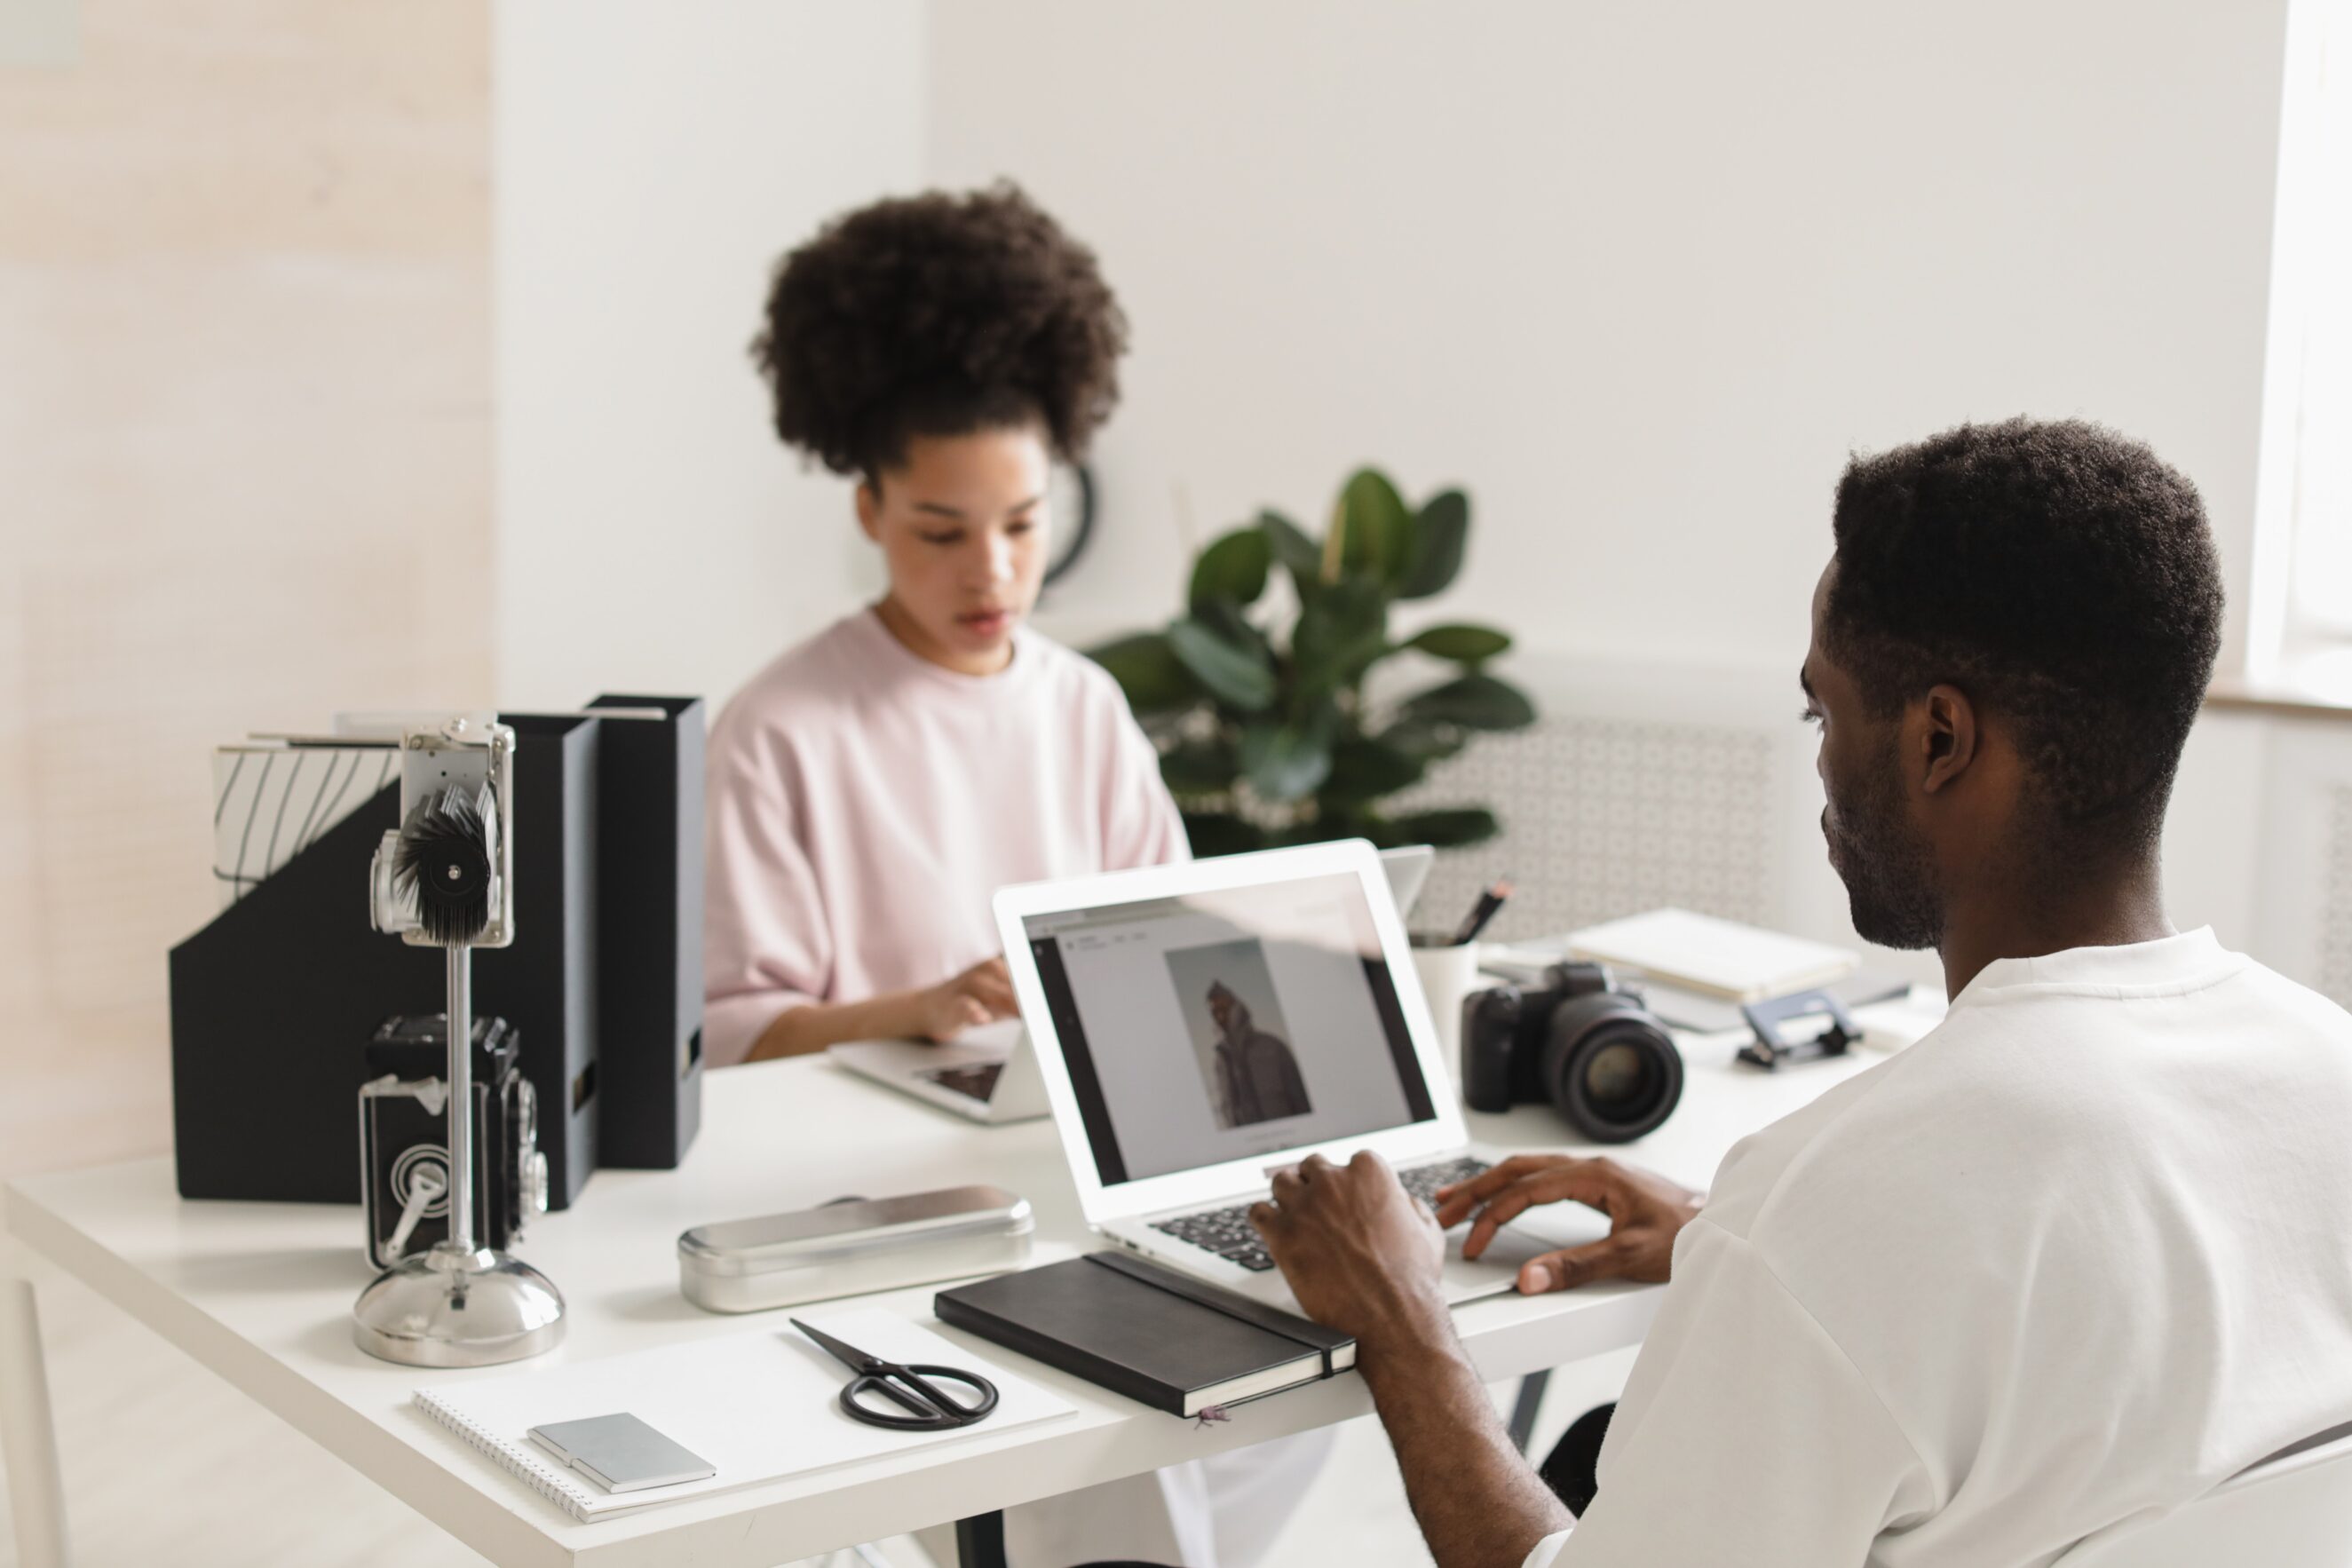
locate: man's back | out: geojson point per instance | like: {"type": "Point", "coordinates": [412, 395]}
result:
{"type": "Point", "coordinates": [2080, 1252]}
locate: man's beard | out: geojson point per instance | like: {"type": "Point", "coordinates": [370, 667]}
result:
{"type": "Point", "coordinates": [1886, 864]}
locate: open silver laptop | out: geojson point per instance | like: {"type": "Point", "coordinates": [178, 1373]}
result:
{"type": "Point", "coordinates": [989, 1073]}
{"type": "Point", "coordinates": [1201, 1026]}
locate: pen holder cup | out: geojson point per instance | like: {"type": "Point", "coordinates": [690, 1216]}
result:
{"type": "Point", "coordinates": [1448, 973]}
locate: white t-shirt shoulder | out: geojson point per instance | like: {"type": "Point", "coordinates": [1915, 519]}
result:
{"type": "Point", "coordinates": [2076, 1254]}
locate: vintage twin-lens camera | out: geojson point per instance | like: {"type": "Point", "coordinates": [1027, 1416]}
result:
{"type": "Point", "coordinates": [1577, 1041]}
{"type": "Point", "coordinates": [403, 1137]}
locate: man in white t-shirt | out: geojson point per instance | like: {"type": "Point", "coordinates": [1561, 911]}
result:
{"type": "Point", "coordinates": [2082, 1252]}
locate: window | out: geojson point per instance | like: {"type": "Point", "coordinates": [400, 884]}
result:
{"type": "Point", "coordinates": [2301, 621]}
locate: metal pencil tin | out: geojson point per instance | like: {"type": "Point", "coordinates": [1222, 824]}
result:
{"type": "Point", "coordinates": [854, 1248]}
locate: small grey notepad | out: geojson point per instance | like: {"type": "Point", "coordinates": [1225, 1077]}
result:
{"type": "Point", "coordinates": [621, 1453]}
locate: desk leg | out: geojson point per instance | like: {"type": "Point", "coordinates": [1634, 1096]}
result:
{"type": "Point", "coordinates": [1523, 1411]}
{"type": "Point", "coordinates": [28, 1436]}
{"type": "Point", "coordinates": [980, 1541]}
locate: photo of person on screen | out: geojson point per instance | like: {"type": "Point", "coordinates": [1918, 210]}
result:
{"type": "Point", "coordinates": [1238, 1032]}
{"type": "Point", "coordinates": [1257, 1078]}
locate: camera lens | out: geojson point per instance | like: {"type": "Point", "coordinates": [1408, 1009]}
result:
{"type": "Point", "coordinates": [1618, 1078]}
{"type": "Point", "coordinates": [1612, 1072]}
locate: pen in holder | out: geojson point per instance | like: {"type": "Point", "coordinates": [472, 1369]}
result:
{"type": "Point", "coordinates": [445, 878]}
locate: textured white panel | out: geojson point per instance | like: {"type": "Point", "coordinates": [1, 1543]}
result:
{"type": "Point", "coordinates": [2335, 908]}
{"type": "Point", "coordinates": [1607, 817]}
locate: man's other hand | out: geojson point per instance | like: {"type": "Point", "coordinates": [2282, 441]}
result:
{"type": "Point", "coordinates": [1646, 1212]}
{"type": "Point", "coordinates": [1361, 1253]}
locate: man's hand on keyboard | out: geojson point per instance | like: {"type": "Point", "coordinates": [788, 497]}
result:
{"type": "Point", "coordinates": [1646, 1212]}
{"type": "Point", "coordinates": [1361, 1252]}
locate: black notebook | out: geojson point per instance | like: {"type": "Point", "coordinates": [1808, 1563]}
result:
{"type": "Point", "coordinates": [1174, 1342]}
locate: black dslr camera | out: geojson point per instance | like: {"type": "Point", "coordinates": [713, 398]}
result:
{"type": "Point", "coordinates": [1577, 1041]}
{"type": "Point", "coordinates": [404, 1134]}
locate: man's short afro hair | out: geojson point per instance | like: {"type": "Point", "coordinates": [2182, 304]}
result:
{"type": "Point", "coordinates": [938, 315]}
{"type": "Point", "coordinates": [2061, 574]}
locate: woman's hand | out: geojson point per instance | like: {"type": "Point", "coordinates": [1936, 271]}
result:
{"type": "Point", "coordinates": [942, 1012]}
{"type": "Point", "coordinates": [1646, 1212]}
{"type": "Point", "coordinates": [981, 995]}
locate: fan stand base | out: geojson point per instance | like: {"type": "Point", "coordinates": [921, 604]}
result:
{"type": "Point", "coordinates": [447, 1307]}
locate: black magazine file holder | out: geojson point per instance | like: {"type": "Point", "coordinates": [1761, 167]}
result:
{"type": "Point", "coordinates": [649, 864]}
{"type": "Point", "coordinates": [544, 983]}
{"type": "Point", "coordinates": [274, 1001]}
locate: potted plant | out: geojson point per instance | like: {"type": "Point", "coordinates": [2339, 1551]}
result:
{"type": "Point", "coordinates": [1266, 730]}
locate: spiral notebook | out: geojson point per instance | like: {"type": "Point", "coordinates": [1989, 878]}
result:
{"type": "Point", "coordinates": [759, 1406]}
{"type": "Point", "coordinates": [1714, 957]}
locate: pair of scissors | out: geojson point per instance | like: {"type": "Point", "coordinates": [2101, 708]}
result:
{"type": "Point", "coordinates": [928, 1408]}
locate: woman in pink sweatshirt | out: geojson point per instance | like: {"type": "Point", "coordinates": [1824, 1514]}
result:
{"type": "Point", "coordinates": [873, 787]}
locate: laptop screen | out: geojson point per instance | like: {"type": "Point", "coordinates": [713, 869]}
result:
{"type": "Point", "coordinates": [1223, 1025]}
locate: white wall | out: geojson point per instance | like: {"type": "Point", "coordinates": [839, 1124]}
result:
{"type": "Point", "coordinates": [1640, 277]}
{"type": "Point", "coordinates": [244, 473]}
{"type": "Point", "coordinates": [650, 164]}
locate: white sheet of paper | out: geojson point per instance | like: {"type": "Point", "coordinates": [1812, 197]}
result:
{"type": "Point", "coordinates": [759, 1406]}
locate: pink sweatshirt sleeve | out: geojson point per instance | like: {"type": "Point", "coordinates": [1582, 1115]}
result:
{"type": "Point", "coordinates": [765, 944]}
{"type": "Point", "coordinates": [1142, 825]}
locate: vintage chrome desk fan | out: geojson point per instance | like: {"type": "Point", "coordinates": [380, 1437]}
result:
{"type": "Point", "coordinates": [445, 878]}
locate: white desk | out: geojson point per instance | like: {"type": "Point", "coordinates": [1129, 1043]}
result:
{"type": "Point", "coordinates": [261, 1293]}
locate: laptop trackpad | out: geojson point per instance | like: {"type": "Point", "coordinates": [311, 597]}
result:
{"type": "Point", "coordinates": [1532, 1235]}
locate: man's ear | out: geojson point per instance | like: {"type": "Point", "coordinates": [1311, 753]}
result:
{"type": "Point", "coordinates": [1948, 737]}
{"type": "Point", "coordinates": [869, 509]}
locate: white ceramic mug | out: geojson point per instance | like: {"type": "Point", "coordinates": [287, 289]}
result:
{"type": "Point", "coordinates": [1448, 973]}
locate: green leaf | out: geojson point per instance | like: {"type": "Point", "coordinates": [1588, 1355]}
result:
{"type": "Point", "coordinates": [1300, 555]}
{"type": "Point", "coordinates": [1475, 702]}
{"type": "Point", "coordinates": [1425, 739]}
{"type": "Point", "coordinates": [1200, 767]}
{"type": "Point", "coordinates": [1381, 832]}
{"type": "Point", "coordinates": [1364, 770]}
{"type": "Point", "coordinates": [1339, 635]}
{"type": "Point", "coordinates": [1286, 761]}
{"type": "Point", "coordinates": [1237, 675]}
{"type": "Point", "coordinates": [1224, 618]}
{"type": "Point", "coordinates": [1221, 833]}
{"type": "Point", "coordinates": [1233, 569]}
{"type": "Point", "coordinates": [1441, 537]}
{"type": "Point", "coordinates": [1148, 670]}
{"type": "Point", "coordinates": [1462, 644]}
{"type": "Point", "coordinates": [1380, 527]}
{"type": "Point", "coordinates": [1445, 829]}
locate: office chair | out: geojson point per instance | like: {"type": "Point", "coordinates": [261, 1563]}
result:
{"type": "Point", "coordinates": [2291, 1510]}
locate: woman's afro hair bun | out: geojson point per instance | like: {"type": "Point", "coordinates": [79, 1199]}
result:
{"type": "Point", "coordinates": [938, 314]}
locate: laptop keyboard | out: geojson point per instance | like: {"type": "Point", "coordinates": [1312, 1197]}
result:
{"type": "Point", "coordinates": [1227, 1232]}
{"type": "Point", "coordinates": [976, 1079]}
